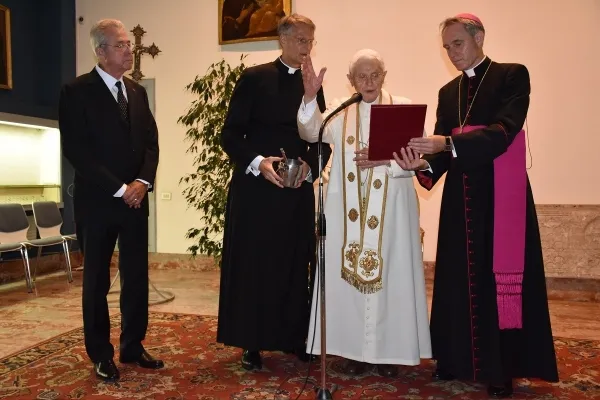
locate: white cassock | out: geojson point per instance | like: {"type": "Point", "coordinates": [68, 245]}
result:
{"type": "Point", "coordinates": [375, 286]}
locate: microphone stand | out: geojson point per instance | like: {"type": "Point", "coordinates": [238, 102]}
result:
{"type": "Point", "coordinates": [322, 392]}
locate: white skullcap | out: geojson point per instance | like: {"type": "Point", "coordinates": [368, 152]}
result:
{"type": "Point", "coordinates": [366, 54]}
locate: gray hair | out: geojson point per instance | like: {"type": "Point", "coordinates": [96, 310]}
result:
{"type": "Point", "coordinates": [472, 27]}
{"type": "Point", "coordinates": [366, 54]}
{"type": "Point", "coordinates": [289, 22]}
{"type": "Point", "coordinates": [98, 31]}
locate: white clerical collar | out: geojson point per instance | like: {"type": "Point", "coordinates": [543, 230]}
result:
{"type": "Point", "coordinates": [291, 70]}
{"type": "Point", "coordinates": [471, 71]}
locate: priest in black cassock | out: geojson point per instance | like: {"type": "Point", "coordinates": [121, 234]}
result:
{"type": "Point", "coordinates": [269, 239]}
{"type": "Point", "coordinates": [489, 316]}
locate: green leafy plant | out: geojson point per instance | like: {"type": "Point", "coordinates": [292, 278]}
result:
{"type": "Point", "coordinates": [206, 187]}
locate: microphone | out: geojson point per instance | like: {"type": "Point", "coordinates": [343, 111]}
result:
{"type": "Point", "coordinates": [355, 98]}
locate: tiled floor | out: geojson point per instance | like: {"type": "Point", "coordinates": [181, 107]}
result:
{"type": "Point", "coordinates": [27, 319]}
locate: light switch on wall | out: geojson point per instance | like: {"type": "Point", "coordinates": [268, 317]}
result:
{"type": "Point", "coordinates": [165, 196]}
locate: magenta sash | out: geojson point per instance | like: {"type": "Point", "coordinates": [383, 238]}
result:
{"type": "Point", "coordinates": [510, 195]}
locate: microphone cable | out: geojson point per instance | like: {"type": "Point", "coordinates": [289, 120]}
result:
{"type": "Point", "coordinates": [312, 346]}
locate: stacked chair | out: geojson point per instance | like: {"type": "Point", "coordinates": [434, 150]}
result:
{"type": "Point", "coordinates": [14, 225]}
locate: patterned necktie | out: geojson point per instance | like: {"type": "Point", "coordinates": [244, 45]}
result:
{"type": "Point", "coordinates": [122, 102]}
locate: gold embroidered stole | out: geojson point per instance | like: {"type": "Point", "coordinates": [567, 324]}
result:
{"type": "Point", "coordinates": [362, 263]}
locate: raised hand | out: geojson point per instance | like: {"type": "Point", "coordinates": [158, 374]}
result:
{"type": "Point", "coordinates": [312, 82]}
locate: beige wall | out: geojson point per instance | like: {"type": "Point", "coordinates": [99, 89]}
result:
{"type": "Point", "coordinates": [558, 41]}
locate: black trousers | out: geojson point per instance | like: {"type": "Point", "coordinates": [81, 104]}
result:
{"type": "Point", "coordinates": [100, 233]}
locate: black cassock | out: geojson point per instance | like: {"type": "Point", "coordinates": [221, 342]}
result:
{"type": "Point", "coordinates": [269, 238]}
{"type": "Point", "coordinates": [466, 339]}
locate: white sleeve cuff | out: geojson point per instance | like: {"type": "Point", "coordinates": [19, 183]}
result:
{"type": "Point", "coordinates": [309, 177]}
{"type": "Point", "coordinates": [253, 167]}
{"type": "Point", "coordinates": [121, 191]}
{"type": "Point", "coordinates": [452, 147]}
{"type": "Point", "coordinates": [428, 167]}
{"type": "Point", "coordinates": [306, 111]}
{"type": "Point", "coordinates": [145, 183]}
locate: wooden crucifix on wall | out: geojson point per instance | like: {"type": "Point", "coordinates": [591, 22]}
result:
{"type": "Point", "coordinates": [138, 50]}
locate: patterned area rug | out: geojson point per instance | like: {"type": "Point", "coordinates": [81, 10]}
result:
{"type": "Point", "coordinates": [198, 368]}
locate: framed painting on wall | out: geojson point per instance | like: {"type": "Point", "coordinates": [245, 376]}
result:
{"type": "Point", "coordinates": [250, 20]}
{"type": "Point", "coordinates": [5, 55]}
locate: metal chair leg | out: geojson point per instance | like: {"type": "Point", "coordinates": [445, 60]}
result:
{"type": "Point", "coordinates": [37, 263]}
{"type": "Point", "coordinates": [67, 261]}
{"type": "Point", "coordinates": [70, 247]}
{"type": "Point", "coordinates": [30, 283]}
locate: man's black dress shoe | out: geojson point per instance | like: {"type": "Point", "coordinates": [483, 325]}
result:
{"type": "Point", "coordinates": [441, 375]}
{"type": "Point", "coordinates": [501, 391]}
{"type": "Point", "coordinates": [302, 354]}
{"type": "Point", "coordinates": [354, 368]}
{"type": "Point", "coordinates": [387, 370]}
{"type": "Point", "coordinates": [144, 360]}
{"type": "Point", "coordinates": [251, 360]}
{"type": "Point", "coordinates": [107, 370]}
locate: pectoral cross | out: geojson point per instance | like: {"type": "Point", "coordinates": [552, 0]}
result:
{"type": "Point", "coordinates": [140, 49]}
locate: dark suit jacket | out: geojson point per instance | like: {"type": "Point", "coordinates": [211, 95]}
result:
{"type": "Point", "coordinates": [103, 148]}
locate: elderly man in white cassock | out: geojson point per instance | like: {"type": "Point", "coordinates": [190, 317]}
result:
{"type": "Point", "coordinates": [375, 288]}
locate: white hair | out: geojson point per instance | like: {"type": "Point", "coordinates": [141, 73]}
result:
{"type": "Point", "coordinates": [366, 54]}
{"type": "Point", "coordinates": [98, 31]}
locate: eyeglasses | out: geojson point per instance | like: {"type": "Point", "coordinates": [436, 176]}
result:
{"type": "Point", "coordinates": [303, 41]}
{"type": "Point", "coordinates": [121, 46]}
{"type": "Point", "coordinates": [374, 77]}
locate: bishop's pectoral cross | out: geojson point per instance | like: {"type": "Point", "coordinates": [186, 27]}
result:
{"type": "Point", "coordinates": [140, 49]}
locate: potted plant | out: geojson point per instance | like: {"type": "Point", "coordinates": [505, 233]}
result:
{"type": "Point", "coordinates": [206, 187]}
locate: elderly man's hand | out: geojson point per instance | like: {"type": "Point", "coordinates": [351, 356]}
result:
{"type": "Point", "coordinates": [363, 162]}
{"type": "Point", "coordinates": [312, 82]}
{"type": "Point", "coordinates": [134, 194]}
{"type": "Point", "coordinates": [428, 145]}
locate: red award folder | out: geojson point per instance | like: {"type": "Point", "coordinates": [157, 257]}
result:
{"type": "Point", "coordinates": [392, 126]}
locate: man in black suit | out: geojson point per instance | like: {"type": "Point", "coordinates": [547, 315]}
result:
{"type": "Point", "coordinates": [110, 137]}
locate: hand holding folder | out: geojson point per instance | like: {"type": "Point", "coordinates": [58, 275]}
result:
{"type": "Point", "coordinates": [392, 126]}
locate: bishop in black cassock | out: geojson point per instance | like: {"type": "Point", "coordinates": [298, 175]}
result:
{"type": "Point", "coordinates": [269, 239]}
{"type": "Point", "coordinates": [489, 316]}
